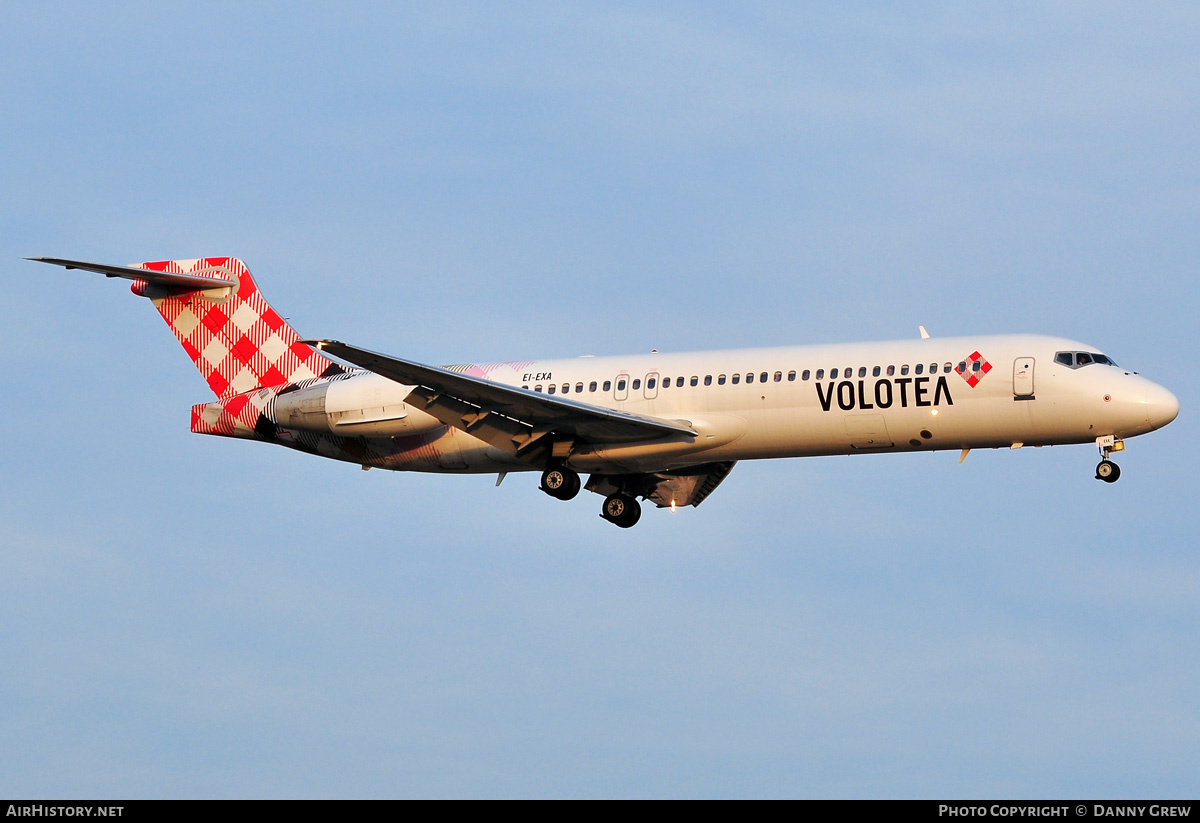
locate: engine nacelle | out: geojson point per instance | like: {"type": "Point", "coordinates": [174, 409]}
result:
{"type": "Point", "coordinates": [365, 405]}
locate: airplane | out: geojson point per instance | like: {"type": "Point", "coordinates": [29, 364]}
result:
{"type": "Point", "coordinates": [665, 428]}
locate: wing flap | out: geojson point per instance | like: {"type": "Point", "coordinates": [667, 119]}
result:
{"type": "Point", "coordinates": [680, 487]}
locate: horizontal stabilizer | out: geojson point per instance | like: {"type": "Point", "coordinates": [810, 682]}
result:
{"type": "Point", "coordinates": [169, 280]}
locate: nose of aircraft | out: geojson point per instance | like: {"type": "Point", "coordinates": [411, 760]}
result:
{"type": "Point", "coordinates": [1161, 406]}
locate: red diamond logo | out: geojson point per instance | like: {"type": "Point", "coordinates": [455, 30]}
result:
{"type": "Point", "coordinates": [973, 369]}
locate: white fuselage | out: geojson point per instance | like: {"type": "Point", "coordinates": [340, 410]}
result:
{"type": "Point", "coordinates": [909, 395]}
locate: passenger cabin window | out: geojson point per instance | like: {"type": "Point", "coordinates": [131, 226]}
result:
{"type": "Point", "coordinates": [792, 377]}
{"type": "Point", "coordinates": [550, 389]}
{"type": "Point", "coordinates": [833, 373]}
{"type": "Point", "coordinates": [947, 368]}
{"type": "Point", "coordinates": [566, 388]}
{"type": "Point", "coordinates": [592, 386]}
{"type": "Point", "coordinates": [762, 378]}
{"type": "Point", "coordinates": [737, 378]}
{"type": "Point", "coordinates": [720, 380]}
{"type": "Point", "coordinates": [820, 374]}
{"type": "Point", "coordinates": [620, 385]}
{"type": "Point", "coordinates": [607, 385]}
{"type": "Point", "coordinates": [976, 366]}
{"type": "Point", "coordinates": [537, 388]}
{"type": "Point", "coordinates": [891, 370]}
{"type": "Point", "coordinates": [637, 384]}
{"type": "Point", "coordinates": [919, 368]}
{"type": "Point", "coordinates": [695, 380]}
{"type": "Point", "coordinates": [904, 369]}
{"type": "Point", "coordinates": [862, 371]}
{"type": "Point", "coordinates": [651, 382]}
{"type": "Point", "coordinates": [778, 376]}
{"type": "Point", "coordinates": [579, 388]}
{"type": "Point", "coordinates": [526, 387]}
{"type": "Point", "coordinates": [750, 378]}
{"type": "Point", "coordinates": [708, 379]}
{"type": "Point", "coordinates": [933, 368]}
{"type": "Point", "coordinates": [804, 375]}
{"type": "Point", "coordinates": [875, 371]}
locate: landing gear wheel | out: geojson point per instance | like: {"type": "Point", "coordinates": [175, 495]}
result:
{"type": "Point", "coordinates": [621, 510]}
{"type": "Point", "coordinates": [1108, 471]}
{"type": "Point", "coordinates": [560, 482]}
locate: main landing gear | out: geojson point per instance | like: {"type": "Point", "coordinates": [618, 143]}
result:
{"type": "Point", "coordinates": [1107, 470]}
{"type": "Point", "coordinates": [620, 509]}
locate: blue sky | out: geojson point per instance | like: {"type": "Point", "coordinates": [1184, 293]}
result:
{"type": "Point", "coordinates": [190, 616]}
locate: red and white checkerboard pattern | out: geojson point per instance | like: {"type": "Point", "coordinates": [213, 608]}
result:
{"type": "Point", "coordinates": [237, 341]}
{"type": "Point", "coordinates": [251, 416]}
{"type": "Point", "coordinates": [231, 417]}
{"type": "Point", "coordinates": [968, 372]}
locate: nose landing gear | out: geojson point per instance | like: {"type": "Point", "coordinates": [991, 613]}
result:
{"type": "Point", "coordinates": [1107, 470]}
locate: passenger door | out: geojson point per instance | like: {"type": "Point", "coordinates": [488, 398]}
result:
{"type": "Point", "coordinates": [1023, 378]}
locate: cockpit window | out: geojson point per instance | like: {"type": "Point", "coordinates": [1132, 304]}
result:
{"type": "Point", "coordinates": [1078, 359]}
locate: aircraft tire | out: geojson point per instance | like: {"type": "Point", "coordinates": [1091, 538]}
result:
{"type": "Point", "coordinates": [633, 515]}
{"type": "Point", "coordinates": [1108, 471]}
{"type": "Point", "coordinates": [560, 482]}
{"type": "Point", "coordinates": [621, 510]}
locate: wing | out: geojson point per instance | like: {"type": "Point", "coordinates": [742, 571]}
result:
{"type": "Point", "coordinates": [169, 280]}
{"type": "Point", "coordinates": [511, 419]}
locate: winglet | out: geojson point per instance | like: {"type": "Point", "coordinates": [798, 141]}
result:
{"type": "Point", "coordinates": [924, 334]}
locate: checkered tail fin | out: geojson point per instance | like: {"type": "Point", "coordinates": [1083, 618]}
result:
{"type": "Point", "coordinates": [237, 341]}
